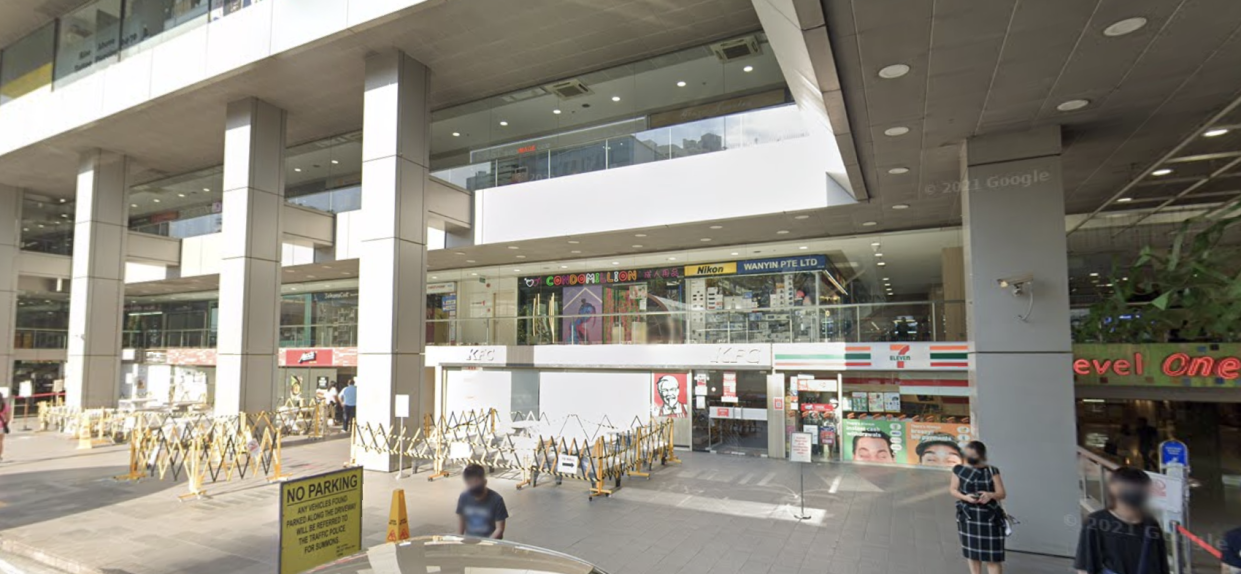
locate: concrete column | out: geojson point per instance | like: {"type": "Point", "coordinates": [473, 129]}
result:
{"type": "Point", "coordinates": [392, 297]}
{"type": "Point", "coordinates": [10, 244]}
{"type": "Point", "coordinates": [1021, 381]}
{"type": "Point", "coordinates": [254, 144]}
{"type": "Point", "coordinates": [100, 230]}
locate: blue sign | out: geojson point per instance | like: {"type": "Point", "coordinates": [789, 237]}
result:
{"type": "Point", "coordinates": [1173, 452]}
{"type": "Point", "coordinates": [782, 264]}
{"type": "Point", "coordinates": [450, 302]}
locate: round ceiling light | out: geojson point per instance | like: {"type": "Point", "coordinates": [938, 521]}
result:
{"type": "Point", "coordinates": [717, 227]}
{"type": "Point", "coordinates": [615, 98]}
{"type": "Point", "coordinates": [1073, 105]}
{"type": "Point", "coordinates": [1161, 171]}
{"type": "Point", "coordinates": [456, 134]}
{"type": "Point", "coordinates": [557, 112]}
{"type": "Point", "coordinates": [896, 131]}
{"type": "Point", "coordinates": [894, 71]}
{"type": "Point", "coordinates": [1126, 26]}
{"type": "Point", "coordinates": [869, 223]}
{"type": "Point", "coordinates": [782, 232]}
{"type": "Point", "coordinates": [705, 239]}
{"type": "Point", "coordinates": [1124, 200]}
{"type": "Point", "coordinates": [1215, 133]}
{"type": "Point", "coordinates": [681, 84]}
{"type": "Point", "coordinates": [898, 171]}
{"type": "Point", "coordinates": [747, 69]}
{"type": "Point", "coordinates": [901, 206]}
{"type": "Point", "coordinates": [503, 123]}
{"type": "Point", "coordinates": [803, 216]}
{"type": "Point", "coordinates": [636, 246]}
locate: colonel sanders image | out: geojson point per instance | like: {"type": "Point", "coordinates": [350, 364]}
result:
{"type": "Point", "coordinates": [669, 391]}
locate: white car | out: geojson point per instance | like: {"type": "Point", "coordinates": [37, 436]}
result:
{"type": "Point", "coordinates": [426, 554]}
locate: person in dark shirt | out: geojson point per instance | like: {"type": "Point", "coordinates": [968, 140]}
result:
{"type": "Point", "coordinates": [1123, 539]}
{"type": "Point", "coordinates": [1230, 551]}
{"type": "Point", "coordinates": [1148, 440]}
{"type": "Point", "coordinates": [480, 510]}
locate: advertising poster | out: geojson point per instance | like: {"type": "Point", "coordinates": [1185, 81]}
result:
{"type": "Point", "coordinates": [879, 441]}
{"type": "Point", "coordinates": [813, 431]}
{"type": "Point", "coordinates": [730, 388]}
{"type": "Point", "coordinates": [700, 385]}
{"type": "Point", "coordinates": [827, 435]}
{"type": "Point", "coordinates": [876, 402]}
{"type": "Point", "coordinates": [859, 402]}
{"type": "Point", "coordinates": [937, 444]}
{"type": "Point", "coordinates": [670, 395]}
{"type": "Point", "coordinates": [581, 323]}
{"type": "Point", "coordinates": [891, 402]}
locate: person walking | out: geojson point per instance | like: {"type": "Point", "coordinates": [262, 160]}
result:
{"type": "Point", "coordinates": [349, 400]}
{"type": "Point", "coordinates": [6, 414]}
{"type": "Point", "coordinates": [1148, 441]}
{"type": "Point", "coordinates": [480, 511]}
{"type": "Point", "coordinates": [1123, 538]}
{"type": "Point", "coordinates": [978, 490]}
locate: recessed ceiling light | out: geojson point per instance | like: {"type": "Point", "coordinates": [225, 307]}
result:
{"type": "Point", "coordinates": [672, 259]}
{"type": "Point", "coordinates": [735, 253]}
{"type": "Point", "coordinates": [513, 247]}
{"type": "Point", "coordinates": [1094, 274]}
{"type": "Point", "coordinates": [638, 246]}
{"type": "Point", "coordinates": [782, 232]}
{"type": "Point", "coordinates": [615, 98]}
{"type": "Point", "coordinates": [1126, 26]}
{"type": "Point", "coordinates": [1124, 200]}
{"type": "Point", "coordinates": [576, 251]}
{"type": "Point", "coordinates": [896, 131]}
{"type": "Point", "coordinates": [564, 266]}
{"type": "Point", "coordinates": [297, 169]}
{"type": "Point", "coordinates": [898, 170]}
{"type": "Point", "coordinates": [875, 244]}
{"type": "Point", "coordinates": [1215, 133]}
{"type": "Point", "coordinates": [207, 189]}
{"type": "Point", "coordinates": [574, 242]}
{"type": "Point", "coordinates": [517, 270]}
{"type": "Point", "coordinates": [335, 162]}
{"type": "Point", "coordinates": [473, 274]}
{"type": "Point", "coordinates": [1072, 105]}
{"type": "Point", "coordinates": [133, 205]}
{"type": "Point", "coordinates": [802, 217]}
{"type": "Point", "coordinates": [62, 200]}
{"type": "Point", "coordinates": [869, 223]}
{"type": "Point", "coordinates": [901, 206]}
{"type": "Point", "coordinates": [434, 277]}
{"type": "Point", "coordinates": [616, 263]}
{"type": "Point", "coordinates": [456, 134]}
{"type": "Point", "coordinates": [717, 227]}
{"type": "Point", "coordinates": [25, 229]}
{"type": "Point", "coordinates": [557, 112]}
{"type": "Point", "coordinates": [881, 264]}
{"type": "Point", "coordinates": [503, 123]}
{"type": "Point", "coordinates": [458, 253]}
{"type": "Point", "coordinates": [705, 239]}
{"type": "Point", "coordinates": [886, 279]}
{"type": "Point", "coordinates": [1161, 171]}
{"type": "Point", "coordinates": [803, 247]}
{"type": "Point", "coordinates": [156, 200]}
{"type": "Point", "coordinates": [639, 235]}
{"type": "Point", "coordinates": [681, 84]}
{"type": "Point", "coordinates": [521, 256]}
{"type": "Point", "coordinates": [748, 69]}
{"type": "Point", "coordinates": [893, 71]}
{"type": "Point", "coordinates": [469, 261]}
{"type": "Point", "coordinates": [180, 195]}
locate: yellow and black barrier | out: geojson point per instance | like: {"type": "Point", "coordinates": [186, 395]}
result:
{"type": "Point", "coordinates": [460, 439]}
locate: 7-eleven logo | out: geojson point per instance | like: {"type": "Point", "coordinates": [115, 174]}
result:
{"type": "Point", "coordinates": [900, 354]}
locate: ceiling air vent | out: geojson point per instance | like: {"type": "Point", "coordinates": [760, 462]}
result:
{"type": "Point", "coordinates": [730, 50]}
{"type": "Point", "coordinates": [569, 89]}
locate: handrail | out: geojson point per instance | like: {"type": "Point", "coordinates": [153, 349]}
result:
{"type": "Point", "coordinates": [1097, 459]}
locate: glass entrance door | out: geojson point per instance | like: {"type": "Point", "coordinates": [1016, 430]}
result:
{"type": "Point", "coordinates": [735, 420]}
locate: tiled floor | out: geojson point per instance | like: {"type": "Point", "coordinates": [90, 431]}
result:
{"type": "Point", "coordinates": [713, 513]}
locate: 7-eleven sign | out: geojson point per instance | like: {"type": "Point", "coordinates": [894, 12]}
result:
{"type": "Point", "coordinates": [900, 354]}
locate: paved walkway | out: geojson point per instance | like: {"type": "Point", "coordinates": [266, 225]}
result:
{"type": "Point", "coordinates": [714, 513]}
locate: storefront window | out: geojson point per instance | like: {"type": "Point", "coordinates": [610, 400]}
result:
{"type": "Point", "coordinates": [186, 205]}
{"type": "Point", "coordinates": [88, 35]}
{"type": "Point", "coordinates": [42, 321]}
{"type": "Point", "coordinates": [26, 65]}
{"type": "Point", "coordinates": [734, 420]}
{"type": "Point", "coordinates": [640, 306]}
{"type": "Point", "coordinates": [47, 225]}
{"type": "Point", "coordinates": [319, 319]}
{"type": "Point", "coordinates": [162, 322]}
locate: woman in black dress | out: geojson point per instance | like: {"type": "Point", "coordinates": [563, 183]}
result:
{"type": "Point", "coordinates": [978, 489]}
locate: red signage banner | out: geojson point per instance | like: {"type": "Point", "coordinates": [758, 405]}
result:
{"type": "Point", "coordinates": [308, 357]}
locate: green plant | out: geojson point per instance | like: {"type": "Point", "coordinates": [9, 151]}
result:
{"type": "Point", "coordinates": [1188, 292]}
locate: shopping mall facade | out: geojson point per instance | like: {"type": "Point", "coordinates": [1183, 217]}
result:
{"type": "Point", "coordinates": [729, 214]}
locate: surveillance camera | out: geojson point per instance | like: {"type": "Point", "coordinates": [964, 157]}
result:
{"type": "Point", "coordinates": [1017, 282]}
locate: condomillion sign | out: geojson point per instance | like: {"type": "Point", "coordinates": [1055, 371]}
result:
{"type": "Point", "coordinates": [1211, 365]}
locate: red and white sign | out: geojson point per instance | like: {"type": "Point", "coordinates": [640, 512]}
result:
{"type": "Point", "coordinates": [817, 407]}
{"type": "Point", "coordinates": [723, 412]}
{"type": "Point", "coordinates": [308, 358]}
{"type": "Point", "coordinates": [778, 404]}
{"type": "Point", "coordinates": [730, 387]}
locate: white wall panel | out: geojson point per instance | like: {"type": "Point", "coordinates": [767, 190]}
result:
{"type": "Point", "coordinates": [787, 176]}
{"type": "Point", "coordinates": [296, 22]}
{"type": "Point", "coordinates": [479, 390]}
{"type": "Point", "coordinates": [594, 396]}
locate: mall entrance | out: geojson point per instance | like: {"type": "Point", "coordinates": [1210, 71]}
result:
{"type": "Point", "coordinates": [730, 414]}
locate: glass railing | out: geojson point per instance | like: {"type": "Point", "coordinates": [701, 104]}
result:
{"type": "Point", "coordinates": [41, 338]}
{"type": "Point", "coordinates": [183, 228]}
{"type": "Point", "coordinates": [332, 201]}
{"type": "Point", "coordinates": [55, 244]}
{"type": "Point", "coordinates": [545, 161]}
{"type": "Point", "coordinates": [924, 321]}
{"type": "Point", "coordinates": [876, 322]}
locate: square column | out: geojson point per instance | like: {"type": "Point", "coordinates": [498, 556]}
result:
{"type": "Point", "coordinates": [100, 232]}
{"type": "Point", "coordinates": [10, 244]}
{"type": "Point", "coordinates": [249, 320]}
{"type": "Point", "coordinates": [1021, 379]}
{"type": "Point", "coordinates": [392, 293]}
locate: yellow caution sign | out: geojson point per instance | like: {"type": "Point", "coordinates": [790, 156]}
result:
{"type": "Point", "coordinates": [320, 519]}
{"type": "Point", "coordinates": [398, 518]}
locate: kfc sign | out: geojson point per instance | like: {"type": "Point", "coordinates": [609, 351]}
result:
{"type": "Point", "coordinates": [737, 356]}
{"type": "Point", "coordinates": [308, 358]}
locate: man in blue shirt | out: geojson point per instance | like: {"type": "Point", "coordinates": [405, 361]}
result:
{"type": "Point", "coordinates": [349, 399]}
